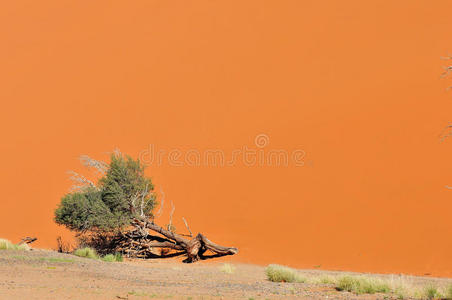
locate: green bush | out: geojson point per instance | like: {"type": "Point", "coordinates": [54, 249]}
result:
{"type": "Point", "coordinates": [87, 253]}
{"type": "Point", "coordinates": [117, 257]}
{"type": "Point", "coordinates": [277, 273]}
{"type": "Point", "coordinates": [109, 258]}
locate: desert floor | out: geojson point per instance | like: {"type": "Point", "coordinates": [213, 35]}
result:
{"type": "Point", "coordinates": [45, 274]}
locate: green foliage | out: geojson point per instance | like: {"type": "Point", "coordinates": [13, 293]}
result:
{"type": "Point", "coordinates": [81, 211]}
{"type": "Point", "coordinates": [87, 253]}
{"type": "Point", "coordinates": [117, 257]}
{"type": "Point", "coordinates": [122, 194]}
{"type": "Point", "coordinates": [277, 273]}
{"type": "Point", "coordinates": [109, 258]}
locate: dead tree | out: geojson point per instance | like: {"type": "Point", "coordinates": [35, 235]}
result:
{"type": "Point", "coordinates": [138, 242]}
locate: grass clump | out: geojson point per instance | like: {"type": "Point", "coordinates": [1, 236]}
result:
{"type": "Point", "coordinates": [86, 252]}
{"type": "Point", "coordinates": [449, 291]}
{"type": "Point", "coordinates": [277, 273]}
{"type": "Point", "coordinates": [7, 245]}
{"type": "Point", "coordinates": [117, 257]}
{"type": "Point", "coordinates": [362, 285]}
{"type": "Point", "coordinates": [431, 292]}
{"type": "Point", "coordinates": [227, 268]}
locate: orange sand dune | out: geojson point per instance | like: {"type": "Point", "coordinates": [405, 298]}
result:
{"type": "Point", "coordinates": [353, 86]}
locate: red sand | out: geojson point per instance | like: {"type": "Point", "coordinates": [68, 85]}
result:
{"type": "Point", "coordinates": [354, 84]}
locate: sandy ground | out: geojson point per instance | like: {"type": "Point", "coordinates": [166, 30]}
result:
{"type": "Point", "coordinates": [44, 274]}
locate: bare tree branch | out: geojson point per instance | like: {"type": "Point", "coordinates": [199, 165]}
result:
{"type": "Point", "coordinates": [159, 212]}
{"type": "Point", "coordinates": [188, 228]}
{"type": "Point", "coordinates": [173, 208]}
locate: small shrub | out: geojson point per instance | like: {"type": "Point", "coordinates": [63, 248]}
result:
{"type": "Point", "coordinates": [227, 268]}
{"type": "Point", "coordinates": [117, 257]}
{"type": "Point", "coordinates": [6, 245]}
{"type": "Point", "coordinates": [346, 283]}
{"type": "Point", "coordinates": [86, 252]}
{"type": "Point", "coordinates": [109, 258]}
{"type": "Point", "coordinates": [277, 273]}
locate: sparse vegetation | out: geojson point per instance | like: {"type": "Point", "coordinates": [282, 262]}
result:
{"type": "Point", "coordinates": [117, 257]}
{"type": "Point", "coordinates": [91, 253]}
{"type": "Point", "coordinates": [86, 252]}
{"type": "Point", "coordinates": [8, 245]}
{"type": "Point", "coordinates": [362, 285]}
{"type": "Point", "coordinates": [431, 292]}
{"type": "Point", "coordinates": [227, 268]}
{"type": "Point", "coordinates": [278, 273]}
{"type": "Point", "coordinates": [395, 287]}
{"type": "Point", "coordinates": [449, 291]}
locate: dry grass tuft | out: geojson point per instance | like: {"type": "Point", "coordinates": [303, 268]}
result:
{"type": "Point", "coordinates": [394, 286]}
{"type": "Point", "coordinates": [362, 285]}
{"type": "Point", "coordinates": [227, 268]}
{"type": "Point", "coordinates": [7, 245]}
{"type": "Point", "coordinates": [87, 253]}
{"type": "Point", "coordinates": [277, 273]}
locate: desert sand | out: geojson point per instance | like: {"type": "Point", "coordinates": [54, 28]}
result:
{"type": "Point", "coordinates": [355, 85]}
{"type": "Point", "coordinates": [44, 274]}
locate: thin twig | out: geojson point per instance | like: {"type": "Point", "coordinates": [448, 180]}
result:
{"type": "Point", "coordinates": [159, 212]}
{"type": "Point", "coordinates": [186, 225]}
{"type": "Point", "coordinates": [173, 208]}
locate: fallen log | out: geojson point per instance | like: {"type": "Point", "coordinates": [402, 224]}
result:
{"type": "Point", "coordinates": [194, 248]}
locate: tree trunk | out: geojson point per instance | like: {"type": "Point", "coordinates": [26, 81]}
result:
{"type": "Point", "coordinates": [194, 248]}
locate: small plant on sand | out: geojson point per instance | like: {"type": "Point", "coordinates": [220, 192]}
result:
{"type": "Point", "coordinates": [7, 245]}
{"type": "Point", "coordinates": [87, 253]}
{"type": "Point", "coordinates": [362, 285]}
{"type": "Point", "coordinates": [449, 291]}
{"type": "Point", "coordinates": [277, 273]}
{"type": "Point", "coordinates": [431, 292]}
{"type": "Point", "coordinates": [227, 268]}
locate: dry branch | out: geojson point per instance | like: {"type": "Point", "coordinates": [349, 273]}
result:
{"type": "Point", "coordinates": [27, 240]}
